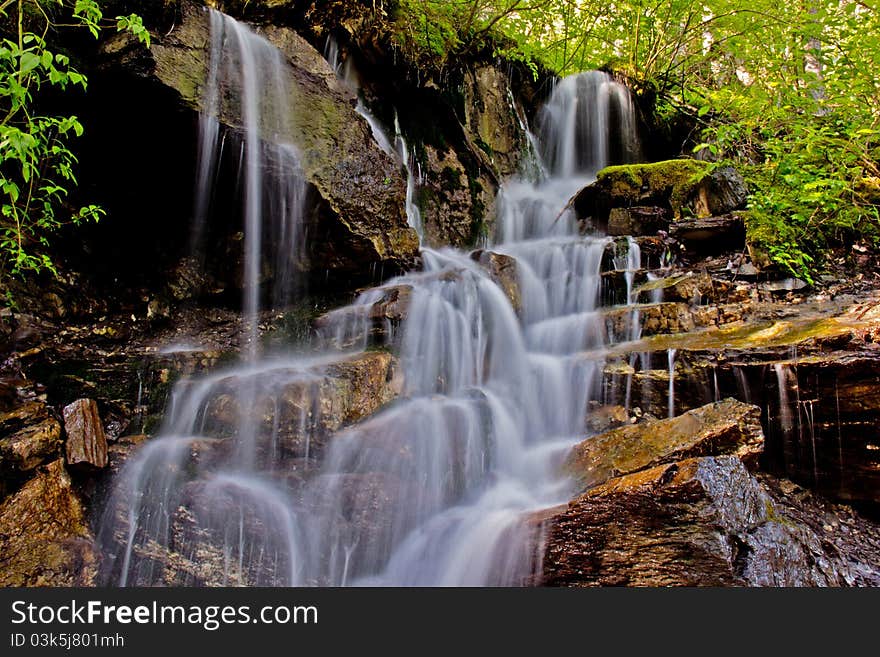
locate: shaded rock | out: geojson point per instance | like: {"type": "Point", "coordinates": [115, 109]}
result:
{"type": "Point", "coordinates": [454, 198]}
{"type": "Point", "coordinates": [726, 191]}
{"type": "Point", "coordinates": [637, 220]}
{"type": "Point", "coordinates": [359, 220]}
{"type": "Point", "coordinates": [44, 539]}
{"type": "Point", "coordinates": [86, 444]}
{"type": "Point", "coordinates": [30, 436]}
{"type": "Point", "coordinates": [700, 522]}
{"type": "Point", "coordinates": [374, 320]}
{"type": "Point", "coordinates": [707, 235]}
{"type": "Point", "coordinates": [728, 427]}
{"type": "Point", "coordinates": [491, 120]}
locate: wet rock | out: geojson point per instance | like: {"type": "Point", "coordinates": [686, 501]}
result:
{"type": "Point", "coordinates": [699, 522]}
{"type": "Point", "coordinates": [86, 445]}
{"type": "Point", "coordinates": [710, 235]}
{"type": "Point", "coordinates": [605, 418]}
{"type": "Point", "coordinates": [299, 412]}
{"type": "Point", "coordinates": [689, 287]}
{"type": "Point", "coordinates": [368, 323]}
{"type": "Point", "coordinates": [29, 437]}
{"type": "Point", "coordinates": [727, 427]}
{"type": "Point", "coordinates": [653, 319]}
{"type": "Point", "coordinates": [502, 269]}
{"type": "Point", "coordinates": [491, 120]}
{"type": "Point", "coordinates": [637, 220]}
{"type": "Point", "coordinates": [362, 385]}
{"type": "Point", "coordinates": [44, 539]}
{"type": "Point", "coordinates": [359, 220]}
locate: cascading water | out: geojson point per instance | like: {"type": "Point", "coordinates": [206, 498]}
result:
{"type": "Point", "coordinates": [439, 487]}
{"type": "Point", "coordinates": [346, 72]}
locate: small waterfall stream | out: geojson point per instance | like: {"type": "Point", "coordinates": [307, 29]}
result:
{"type": "Point", "coordinates": [439, 487]}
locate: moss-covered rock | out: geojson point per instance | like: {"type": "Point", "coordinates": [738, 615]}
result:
{"type": "Point", "coordinates": [685, 187]}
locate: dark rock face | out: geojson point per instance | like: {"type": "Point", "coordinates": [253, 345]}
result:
{"type": "Point", "coordinates": [358, 222]}
{"type": "Point", "coordinates": [44, 539]}
{"type": "Point", "coordinates": [86, 444]}
{"type": "Point", "coordinates": [699, 522]}
{"type": "Point", "coordinates": [710, 234]}
{"type": "Point", "coordinates": [726, 190]}
{"type": "Point", "coordinates": [637, 220]}
{"type": "Point", "coordinates": [728, 427]}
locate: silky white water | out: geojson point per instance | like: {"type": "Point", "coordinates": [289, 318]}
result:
{"type": "Point", "coordinates": [438, 488]}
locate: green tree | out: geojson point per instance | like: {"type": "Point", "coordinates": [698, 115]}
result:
{"type": "Point", "coordinates": [37, 165]}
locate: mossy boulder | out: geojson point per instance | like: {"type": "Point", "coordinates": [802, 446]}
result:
{"type": "Point", "coordinates": [683, 187]}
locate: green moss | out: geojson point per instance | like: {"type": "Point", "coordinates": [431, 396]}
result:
{"type": "Point", "coordinates": [450, 179]}
{"type": "Point", "coordinates": [677, 179]}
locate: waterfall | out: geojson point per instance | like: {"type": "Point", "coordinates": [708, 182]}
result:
{"type": "Point", "coordinates": [413, 180]}
{"type": "Point", "coordinates": [347, 73]}
{"type": "Point", "coordinates": [247, 485]}
{"type": "Point", "coordinates": [588, 123]}
{"type": "Point", "coordinates": [246, 85]}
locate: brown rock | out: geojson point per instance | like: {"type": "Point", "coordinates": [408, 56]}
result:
{"type": "Point", "coordinates": [86, 443]}
{"type": "Point", "coordinates": [44, 539]}
{"type": "Point", "coordinates": [710, 234]}
{"type": "Point", "coordinates": [304, 410]}
{"type": "Point", "coordinates": [727, 427]}
{"type": "Point", "coordinates": [638, 220]}
{"type": "Point", "coordinates": [502, 269]}
{"type": "Point", "coordinates": [700, 522]}
{"type": "Point", "coordinates": [31, 438]}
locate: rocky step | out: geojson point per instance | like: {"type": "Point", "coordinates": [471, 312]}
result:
{"type": "Point", "coordinates": [293, 411]}
{"type": "Point", "coordinates": [816, 381]}
{"type": "Point", "coordinates": [681, 524]}
{"type": "Point", "coordinates": [657, 507]}
{"type": "Point", "coordinates": [727, 427]}
{"type": "Point", "coordinates": [378, 312]}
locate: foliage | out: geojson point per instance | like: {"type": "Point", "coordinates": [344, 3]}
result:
{"type": "Point", "coordinates": [785, 91]}
{"type": "Point", "coordinates": [36, 162]}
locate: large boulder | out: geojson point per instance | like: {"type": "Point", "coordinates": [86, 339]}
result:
{"type": "Point", "coordinates": [86, 445]}
{"type": "Point", "coordinates": [44, 537]}
{"type": "Point", "coordinates": [727, 427]}
{"type": "Point", "coordinates": [702, 522]}
{"type": "Point", "coordinates": [296, 411]}
{"type": "Point", "coordinates": [683, 188]}
{"type": "Point", "coordinates": [359, 224]}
